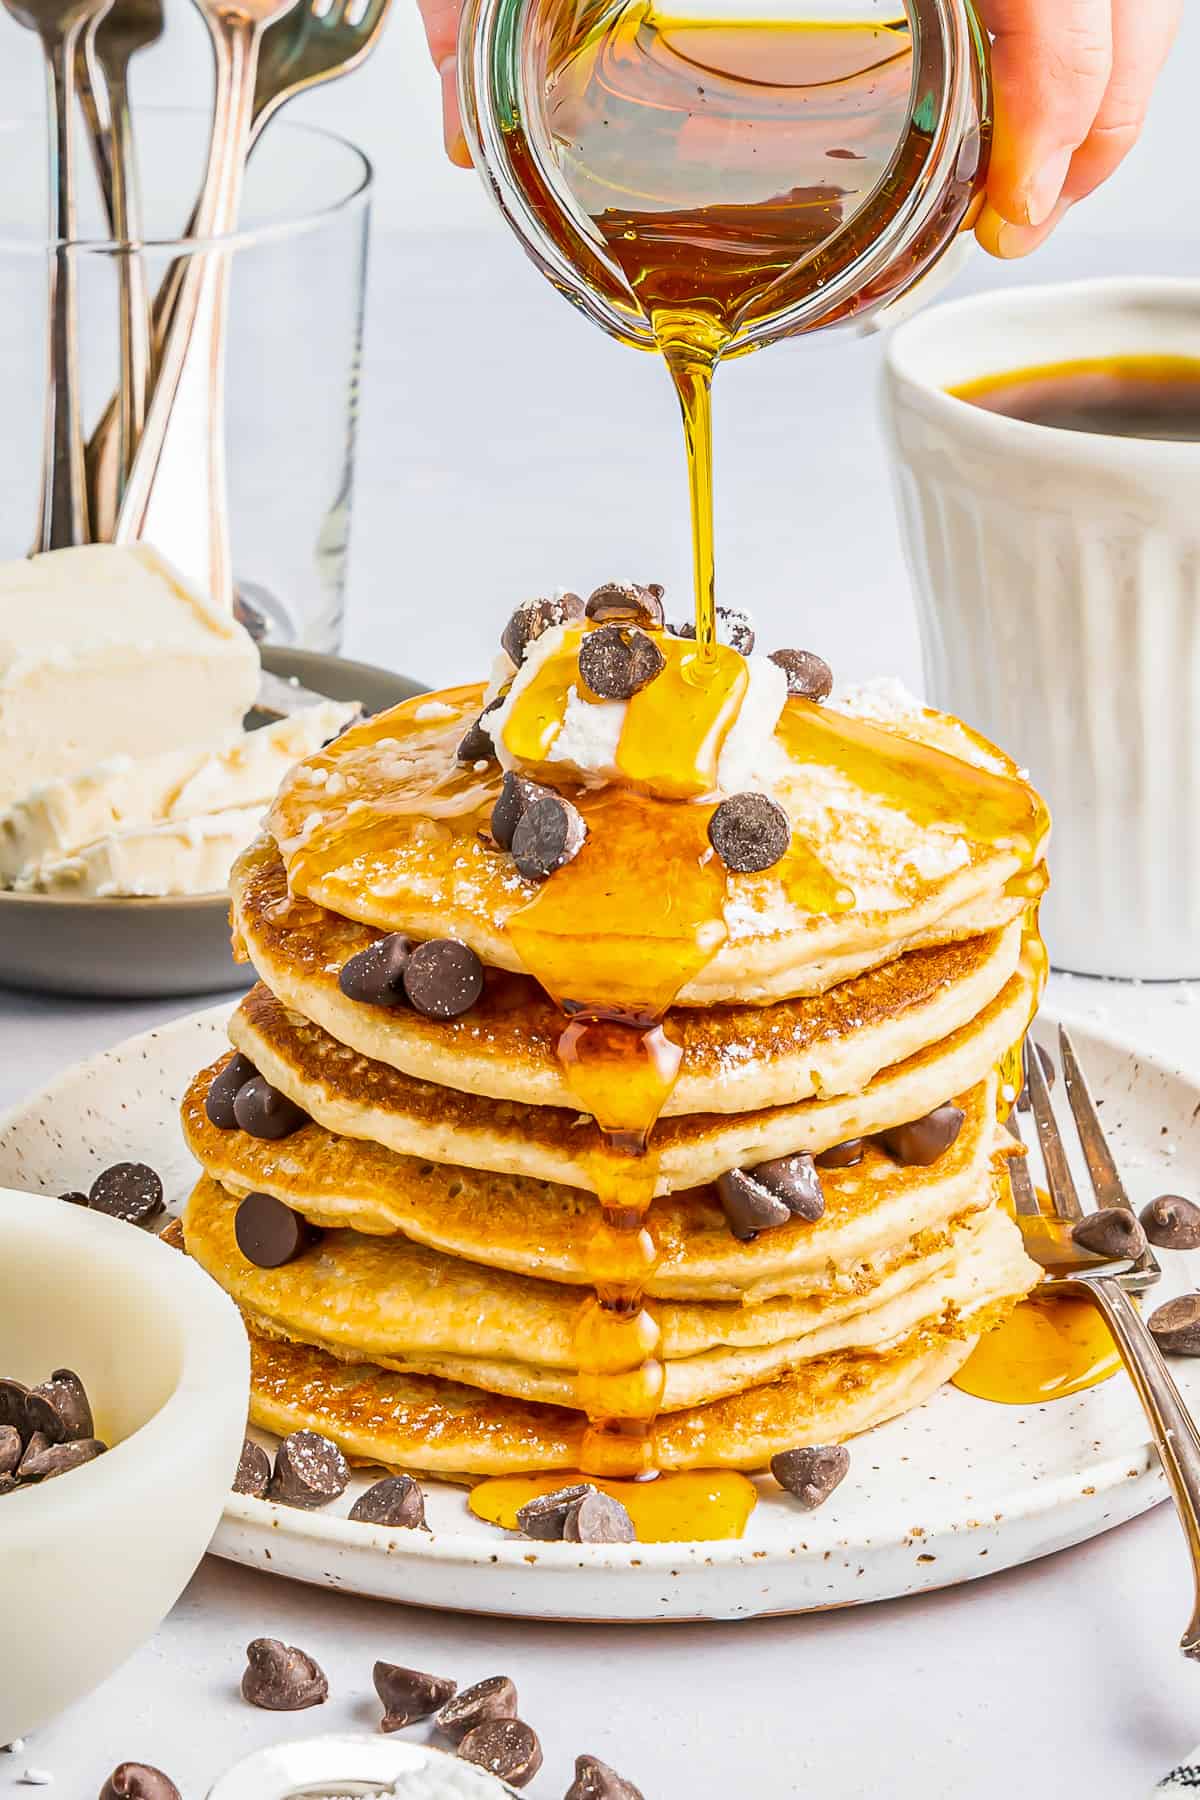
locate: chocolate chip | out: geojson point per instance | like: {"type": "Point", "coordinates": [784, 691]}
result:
{"type": "Point", "coordinates": [794, 1180]}
{"type": "Point", "coordinates": [269, 1233]}
{"type": "Point", "coordinates": [749, 832]}
{"type": "Point", "coordinates": [733, 628]}
{"type": "Point", "coordinates": [74, 1198]}
{"type": "Point", "coordinates": [8, 1484]}
{"type": "Point", "coordinates": [594, 1780]}
{"type": "Point", "coordinates": [922, 1141]}
{"type": "Point", "coordinates": [627, 603]}
{"type": "Point", "coordinates": [10, 1448]}
{"type": "Point", "coordinates": [375, 976]}
{"type": "Point", "coordinates": [59, 1408]}
{"type": "Point", "coordinates": [253, 1471]}
{"type": "Point", "coordinates": [494, 1698]}
{"type": "Point", "coordinates": [545, 1515]}
{"type": "Point", "coordinates": [1172, 1223]}
{"type": "Point", "coordinates": [596, 1518]}
{"type": "Point", "coordinates": [138, 1781]}
{"type": "Point", "coordinates": [533, 617]}
{"type": "Point", "coordinates": [310, 1471]}
{"type": "Point", "coordinates": [128, 1190]}
{"type": "Point", "coordinates": [263, 1112]}
{"type": "Point", "coordinates": [549, 834]}
{"type": "Point", "coordinates": [754, 1200]}
{"type": "Point", "coordinates": [809, 677]}
{"type": "Point", "coordinates": [280, 1678]}
{"type": "Point", "coordinates": [618, 661]}
{"type": "Point", "coordinates": [812, 1472]}
{"type": "Point", "coordinates": [1176, 1325]}
{"type": "Point", "coordinates": [1111, 1232]}
{"type": "Point", "coordinates": [42, 1460]}
{"type": "Point", "coordinates": [224, 1090]}
{"type": "Point", "coordinates": [842, 1156]}
{"type": "Point", "coordinates": [409, 1694]}
{"type": "Point", "coordinates": [517, 793]}
{"type": "Point", "coordinates": [444, 978]}
{"type": "Point", "coordinates": [13, 1395]}
{"type": "Point", "coordinates": [478, 745]}
{"type": "Point", "coordinates": [397, 1500]}
{"type": "Point", "coordinates": [505, 1747]}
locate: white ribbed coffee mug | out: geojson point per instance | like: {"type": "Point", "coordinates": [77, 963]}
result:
{"type": "Point", "coordinates": [1058, 583]}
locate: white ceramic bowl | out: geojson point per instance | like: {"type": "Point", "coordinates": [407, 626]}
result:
{"type": "Point", "coordinates": [91, 1561]}
{"type": "Point", "coordinates": [1058, 583]}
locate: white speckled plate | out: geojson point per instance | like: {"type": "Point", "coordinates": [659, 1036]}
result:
{"type": "Point", "coordinates": [953, 1491]}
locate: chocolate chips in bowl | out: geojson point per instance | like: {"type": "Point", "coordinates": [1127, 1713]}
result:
{"type": "Point", "coordinates": [45, 1430]}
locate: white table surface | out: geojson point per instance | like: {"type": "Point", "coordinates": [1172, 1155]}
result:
{"type": "Point", "coordinates": [507, 448]}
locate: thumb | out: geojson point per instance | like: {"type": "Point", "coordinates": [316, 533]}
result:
{"type": "Point", "coordinates": [440, 18]}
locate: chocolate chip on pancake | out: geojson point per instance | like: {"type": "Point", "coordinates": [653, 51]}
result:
{"type": "Point", "coordinates": [10, 1449]}
{"type": "Point", "coordinates": [264, 1112]}
{"type": "Point", "coordinates": [478, 744]}
{"type": "Point", "coordinates": [310, 1471]}
{"type": "Point", "coordinates": [754, 1200]}
{"type": "Point", "coordinates": [409, 1695]}
{"type": "Point", "coordinates": [59, 1408]}
{"type": "Point", "coordinates": [444, 978]}
{"type": "Point", "coordinates": [1172, 1223]}
{"type": "Point", "coordinates": [375, 976]}
{"type": "Point", "coordinates": [269, 1234]}
{"type": "Point", "coordinates": [517, 793]}
{"type": "Point", "coordinates": [533, 617]}
{"type": "Point", "coordinates": [493, 1698]}
{"type": "Point", "coordinates": [545, 1515]}
{"type": "Point", "coordinates": [1175, 1326]}
{"type": "Point", "coordinates": [618, 661]}
{"type": "Point", "coordinates": [225, 1088]}
{"type": "Point", "coordinates": [920, 1142]}
{"type": "Point", "coordinates": [733, 628]}
{"type": "Point", "coordinates": [549, 834]}
{"type": "Point", "coordinates": [842, 1156]}
{"type": "Point", "coordinates": [809, 676]}
{"type": "Point", "coordinates": [594, 1780]}
{"type": "Point", "coordinates": [138, 1781]}
{"type": "Point", "coordinates": [397, 1500]}
{"type": "Point", "coordinates": [43, 1460]}
{"type": "Point", "coordinates": [811, 1472]}
{"type": "Point", "coordinates": [750, 832]}
{"type": "Point", "coordinates": [127, 1190]}
{"type": "Point", "coordinates": [596, 1518]}
{"type": "Point", "coordinates": [627, 603]}
{"type": "Point", "coordinates": [507, 1748]}
{"type": "Point", "coordinates": [1111, 1232]}
{"type": "Point", "coordinates": [281, 1678]}
{"type": "Point", "coordinates": [253, 1471]}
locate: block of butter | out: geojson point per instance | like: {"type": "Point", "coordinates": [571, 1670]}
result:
{"type": "Point", "coordinates": [193, 856]}
{"type": "Point", "coordinates": [106, 651]}
{"type": "Point", "coordinates": [132, 795]}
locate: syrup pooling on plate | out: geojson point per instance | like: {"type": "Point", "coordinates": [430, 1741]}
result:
{"type": "Point", "coordinates": [1051, 1345]}
{"type": "Point", "coordinates": [674, 1509]}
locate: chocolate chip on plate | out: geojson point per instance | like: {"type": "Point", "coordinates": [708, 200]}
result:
{"type": "Point", "coordinates": [42, 1460]}
{"type": "Point", "coordinates": [507, 1748]}
{"type": "Point", "coordinates": [375, 976]}
{"type": "Point", "coordinates": [224, 1090]}
{"type": "Point", "coordinates": [281, 1678]}
{"type": "Point", "coordinates": [396, 1500]}
{"type": "Point", "coordinates": [842, 1156]}
{"type": "Point", "coordinates": [128, 1190]}
{"type": "Point", "coordinates": [517, 793]}
{"type": "Point", "coordinates": [812, 1472]}
{"type": "Point", "coordinates": [733, 628]}
{"type": "Point", "coordinates": [596, 1518]}
{"type": "Point", "coordinates": [750, 832]}
{"type": "Point", "coordinates": [921, 1141]}
{"type": "Point", "coordinates": [59, 1408]}
{"type": "Point", "coordinates": [310, 1471]}
{"type": "Point", "coordinates": [627, 603]}
{"type": "Point", "coordinates": [618, 661]}
{"type": "Point", "coordinates": [754, 1200]}
{"type": "Point", "coordinates": [1172, 1223]}
{"type": "Point", "coordinates": [253, 1471]}
{"type": "Point", "coordinates": [269, 1233]}
{"type": "Point", "coordinates": [10, 1448]}
{"type": "Point", "coordinates": [594, 1780]}
{"type": "Point", "coordinates": [444, 978]}
{"type": "Point", "coordinates": [533, 617]}
{"type": "Point", "coordinates": [478, 745]}
{"type": "Point", "coordinates": [493, 1698]}
{"type": "Point", "coordinates": [409, 1695]}
{"type": "Point", "coordinates": [545, 1515]}
{"type": "Point", "coordinates": [809, 676]}
{"type": "Point", "coordinates": [1176, 1325]}
{"type": "Point", "coordinates": [264, 1112]}
{"type": "Point", "coordinates": [138, 1781]}
{"type": "Point", "coordinates": [1111, 1232]}
{"type": "Point", "coordinates": [549, 834]}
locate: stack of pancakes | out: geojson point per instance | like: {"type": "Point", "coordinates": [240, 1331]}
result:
{"type": "Point", "coordinates": [454, 1171]}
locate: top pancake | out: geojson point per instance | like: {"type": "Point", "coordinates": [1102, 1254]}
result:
{"type": "Point", "coordinates": [924, 823]}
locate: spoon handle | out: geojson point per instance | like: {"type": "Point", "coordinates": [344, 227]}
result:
{"type": "Point", "coordinates": [63, 518]}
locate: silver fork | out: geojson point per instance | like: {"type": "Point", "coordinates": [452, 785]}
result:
{"type": "Point", "coordinates": [1108, 1285]}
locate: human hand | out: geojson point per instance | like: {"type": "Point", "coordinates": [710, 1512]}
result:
{"type": "Point", "coordinates": [441, 30]}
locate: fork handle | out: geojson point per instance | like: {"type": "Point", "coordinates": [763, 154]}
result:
{"type": "Point", "coordinates": [1170, 1422]}
{"type": "Point", "coordinates": [64, 517]}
